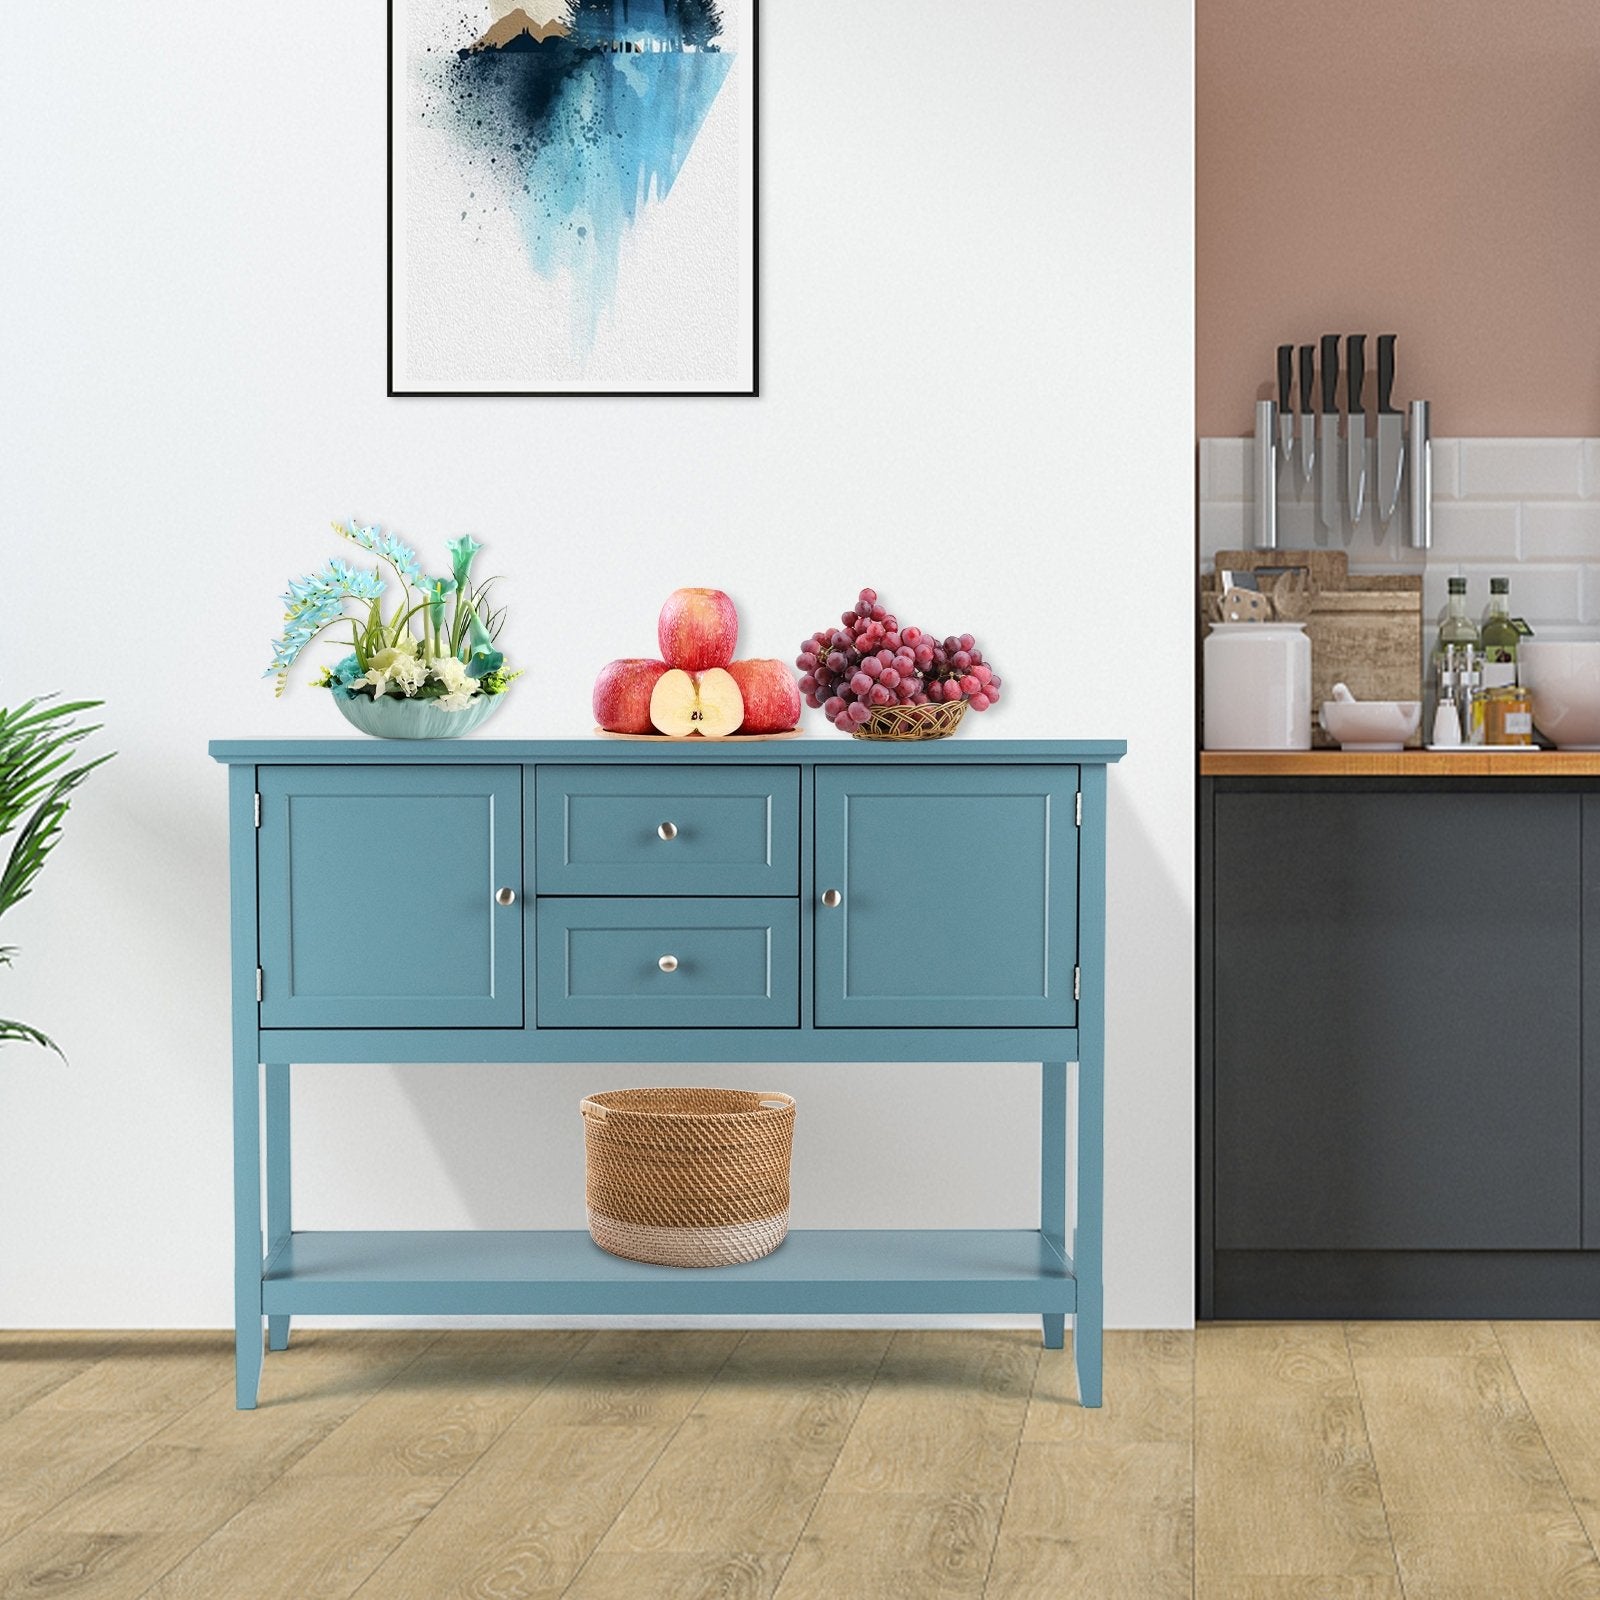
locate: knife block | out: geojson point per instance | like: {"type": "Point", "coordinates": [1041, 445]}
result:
{"type": "Point", "coordinates": [1365, 632]}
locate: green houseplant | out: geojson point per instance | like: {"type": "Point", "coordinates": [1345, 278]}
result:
{"type": "Point", "coordinates": [38, 746]}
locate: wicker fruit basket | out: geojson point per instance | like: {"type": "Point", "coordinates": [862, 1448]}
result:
{"type": "Point", "coordinates": [932, 721]}
{"type": "Point", "coordinates": [688, 1177]}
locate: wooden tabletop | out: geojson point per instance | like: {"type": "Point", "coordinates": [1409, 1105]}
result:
{"type": "Point", "coordinates": [1399, 764]}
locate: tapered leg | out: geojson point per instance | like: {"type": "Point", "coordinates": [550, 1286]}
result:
{"type": "Point", "coordinates": [1053, 1178]}
{"type": "Point", "coordinates": [1088, 1322]}
{"type": "Point", "coordinates": [279, 1191]}
{"type": "Point", "coordinates": [246, 1230]}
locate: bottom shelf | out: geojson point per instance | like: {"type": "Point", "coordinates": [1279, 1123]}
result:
{"type": "Point", "coordinates": [564, 1273]}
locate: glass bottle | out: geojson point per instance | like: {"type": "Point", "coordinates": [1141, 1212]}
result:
{"type": "Point", "coordinates": [1455, 656]}
{"type": "Point", "coordinates": [1499, 637]}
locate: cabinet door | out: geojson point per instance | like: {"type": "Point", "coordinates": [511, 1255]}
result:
{"type": "Point", "coordinates": [377, 896]}
{"type": "Point", "coordinates": [958, 895]}
{"type": "Point", "coordinates": [1591, 1022]}
{"type": "Point", "coordinates": [1396, 1022]}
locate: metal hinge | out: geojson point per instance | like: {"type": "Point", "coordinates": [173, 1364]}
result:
{"type": "Point", "coordinates": [259, 982]}
{"type": "Point", "coordinates": [1078, 810]}
{"type": "Point", "coordinates": [258, 810]}
{"type": "Point", "coordinates": [1075, 978]}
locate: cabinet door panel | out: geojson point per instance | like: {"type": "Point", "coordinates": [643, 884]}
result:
{"type": "Point", "coordinates": [1396, 1022]}
{"type": "Point", "coordinates": [377, 890]}
{"type": "Point", "coordinates": [1591, 1022]}
{"type": "Point", "coordinates": [959, 896]}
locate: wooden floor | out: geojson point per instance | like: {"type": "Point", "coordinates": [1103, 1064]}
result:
{"type": "Point", "coordinates": [1395, 1461]}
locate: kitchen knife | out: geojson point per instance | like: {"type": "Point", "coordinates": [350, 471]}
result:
{"type": "Point", "coordinates": [1286, 402]}
{"type": "Point", "coordinates": [1308, 411]}
{"type": "Point", "coordinates": [1391, 438]}
{"type": "Point", "coordinates": [1328, 434]}
{"type": "Point", "coordinates": [1356, 430]}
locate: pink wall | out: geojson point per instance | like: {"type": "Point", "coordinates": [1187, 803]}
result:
{"type": "Point", "coordinates": [1429, 168]}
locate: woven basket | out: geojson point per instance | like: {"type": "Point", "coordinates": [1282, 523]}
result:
{"type": "Point", "coordinates": [932, 721]}
{"type": "Point", "coordinates": [688, 1177]}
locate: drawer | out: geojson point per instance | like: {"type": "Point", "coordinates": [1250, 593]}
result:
{"type": "Point", "coordinates": [728, 963]}
{"type": "Point", "coordinates": [645, 831]}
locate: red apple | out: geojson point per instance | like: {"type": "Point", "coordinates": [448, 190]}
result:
{"type": "Point", "coordinates": [707, 703]}
{"type": "Point", "coordinates": [622, 695]}
{"type": "Point", "coordinates": [771, 696]}
{"type": "Point", "coordinates": [698, 629]}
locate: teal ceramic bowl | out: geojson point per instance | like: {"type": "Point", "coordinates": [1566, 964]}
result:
{"type": "Point", "coordinates": [394, 718]}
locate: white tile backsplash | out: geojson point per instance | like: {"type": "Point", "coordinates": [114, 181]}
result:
{"type": "Point", "coordinates": [1225, 469]}
{"type": "Point", "coordinates": [1522, 469]}
{"type": "Point", "coordinates": [1446, 469]}
{"type": "Point", "coordinates": [1469, 530]}
{"type": "Point", "coordinates": [1557, 530]}
{"type": "Point", "coordinates": [1526, 509]}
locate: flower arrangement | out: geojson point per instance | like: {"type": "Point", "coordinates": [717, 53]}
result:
{"type": "Point", "coordinates": [438, 644]}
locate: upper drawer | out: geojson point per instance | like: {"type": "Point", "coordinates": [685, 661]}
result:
{"type": "Point", "coordinates": [652, 830]}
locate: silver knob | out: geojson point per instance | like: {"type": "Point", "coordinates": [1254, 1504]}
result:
{"type": "Point", "coordinates": [667, 830]}
{"type": "Point", "coordinates": [505, 897]}
{"type": "Point", "coordinates": [831, 898]}
{"type": "Point", "coordinates": [668, 963]}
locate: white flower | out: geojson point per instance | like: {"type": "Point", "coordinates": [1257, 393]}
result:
{"type": "Point", "coordinates": [458, 701]}
{"type": "Point", "coordinates": [453, 675]}
{"type": "Point", "coordinates": [397, 665]}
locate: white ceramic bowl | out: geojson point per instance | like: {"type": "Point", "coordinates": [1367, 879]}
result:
{"type": "Point", "coordinates": [1565, 680]}
{"type": "Point", "coordinates": [1371, 724]}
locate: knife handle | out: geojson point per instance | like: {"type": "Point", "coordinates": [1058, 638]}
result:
{"type": "Point", "coordinates": [1385, 372]}
{"type": "Point", "coordinates": [1356, 354]}
{"type": "Point", "coordinates": [1330, 372]}
{"type": "Point", "coordinates": [1308, 379]}
{"type": "Point", "coordinates": [1286, 378]}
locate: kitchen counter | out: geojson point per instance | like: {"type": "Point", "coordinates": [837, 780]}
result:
{"type": "Point", "coordinates": [1399, 764]}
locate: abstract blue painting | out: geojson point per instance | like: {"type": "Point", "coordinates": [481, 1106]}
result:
{"type": "Point", "coordinates": [572, 197]}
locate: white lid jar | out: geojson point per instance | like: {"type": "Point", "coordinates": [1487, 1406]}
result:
{"type": "Point", "coordinates": [1257, 686]}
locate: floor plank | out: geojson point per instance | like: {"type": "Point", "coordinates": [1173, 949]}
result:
{"type": "Point", "coordinates": [532, 1510]}
{"type": "Point", "coordinates": [1090, 1520]}
{"type": "Point", "coordinates": [738, 1480]}
{"type": "Point", "coordinates": [1438, 1393]}
{"type": "Point", "coordinates": [150, 1508]}
{"type": "Point", "coordinates": [1149, 1392]}
{"type": "Point", "coordinates": [1285, 1483]}
{"type": "Point", "coordinates": [888, 1546]}
{"type": "Point", "coordinates": [1557, 1368]}
{"type": "Point", "coordinates": [1506, 1556]}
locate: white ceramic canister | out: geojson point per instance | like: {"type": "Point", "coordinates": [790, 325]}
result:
{"type": "Point", "coordinates": [1257, 686]}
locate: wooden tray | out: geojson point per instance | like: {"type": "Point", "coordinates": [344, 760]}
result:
{"type": "Point", "coordinates": [698, 738]}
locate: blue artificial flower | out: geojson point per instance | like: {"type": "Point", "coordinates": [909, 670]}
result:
{"type": "Point", "coordinates": [401, 556]}
{"type": "Point", "coordinates": [484, 662]}
{"type": "Point", "coordinates": [462, 551]}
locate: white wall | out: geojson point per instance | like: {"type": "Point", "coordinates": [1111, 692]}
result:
{"type": "Point", "coordinates": [977, 322]}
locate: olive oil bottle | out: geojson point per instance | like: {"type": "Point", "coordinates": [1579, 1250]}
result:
{"type": "Point", "coordinates": [1500, 637]}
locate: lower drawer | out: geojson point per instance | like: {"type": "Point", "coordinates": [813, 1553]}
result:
{"type": "Point", "coordinates": [662, 963]}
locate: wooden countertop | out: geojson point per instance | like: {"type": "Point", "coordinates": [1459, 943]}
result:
{"type": "Point", "coordinates": [1399, 764]}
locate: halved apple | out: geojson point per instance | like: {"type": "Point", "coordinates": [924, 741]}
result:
{"type": "Point", "coordinates": [707, 703]}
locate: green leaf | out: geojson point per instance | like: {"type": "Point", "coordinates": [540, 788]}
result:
{"type": "Point", "coordinates": [21, 1033]}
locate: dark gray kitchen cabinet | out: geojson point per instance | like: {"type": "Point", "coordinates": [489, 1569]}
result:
{"type": "Point", "coordinates": [1393, 1048]}
{"type": "Point", "coordinates": [1591, 1011]}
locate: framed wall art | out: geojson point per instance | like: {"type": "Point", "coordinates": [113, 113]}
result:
{"type": "Point", "coordinates": [573, 197]}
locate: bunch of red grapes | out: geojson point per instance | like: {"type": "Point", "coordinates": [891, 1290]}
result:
{"type": "Point", "coordinates": [871, 661]}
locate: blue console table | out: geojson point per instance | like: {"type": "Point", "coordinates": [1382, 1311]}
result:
{"type": "Point", "coordinates": [696, 902]}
